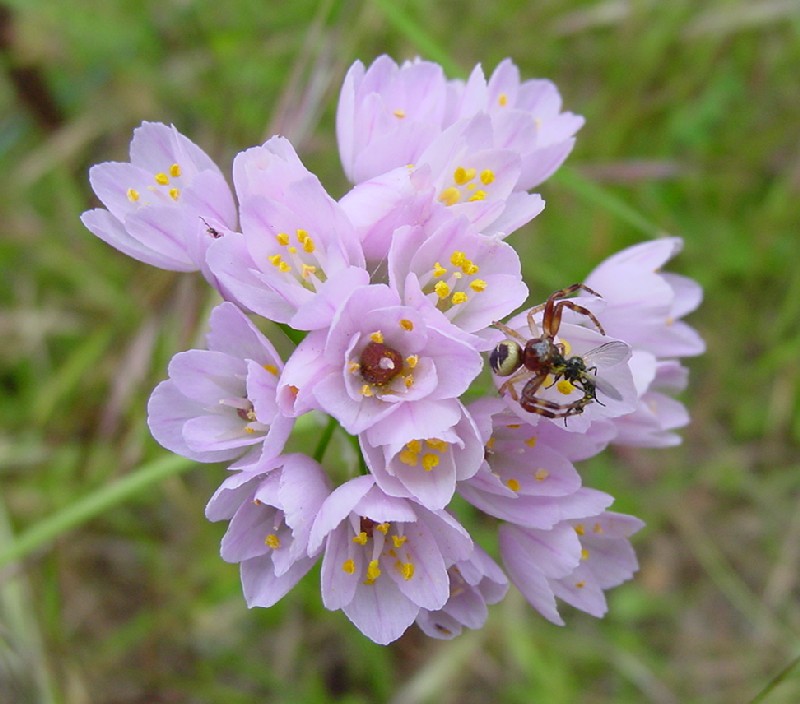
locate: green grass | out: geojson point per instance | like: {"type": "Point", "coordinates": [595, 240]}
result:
{"type": "Point", "coordinates": [692, 112]}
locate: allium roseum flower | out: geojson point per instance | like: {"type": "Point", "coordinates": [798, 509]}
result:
{"type": "Point", "coordinates": [474, 583]}
{"type": "Point", "coordinates": [425, 467]}
{"type": "Point", "coordinates": [526, 116]}
{"type": "Point", "coordinates": [472, 279]}
{"type": "Point", "coordinates": [385, 557]}
{"type": "Point", "coordinates": [219, 403]}
{"type": "Point", "coordinates": [397, 290]}
{"type": "Point", "coordinates": [271, 513]}
{"type": "Point", "coordinates": [380, 362]}
{"type": "Point", "coordinates": [576, 561]}
{"type": "Point", "coordinates": [643, 305]}
{"type": "Point", "coordinates": [166, 206]}
{"type": "Point", "coordinates": [298, 254]}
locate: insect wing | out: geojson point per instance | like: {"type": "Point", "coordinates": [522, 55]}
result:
{"type": "Point", "coordinates": [607, 354]}
{"type": "Point", "coordinates": [606, 388]}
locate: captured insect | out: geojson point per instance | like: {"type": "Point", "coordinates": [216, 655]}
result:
{"type": "Point", "coordinates": [542, 358]}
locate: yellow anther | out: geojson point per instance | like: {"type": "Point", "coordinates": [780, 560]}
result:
{"type": "Point", "coordinates": [406, 569]}
{"type": "Point", "coordinates": [409, 458]}
{"type": "Point", "coordinates": [133, 195]}
{"type": "Point", "coordinates": [512, 484]}
{"type": "Point", "coordinates": [502, 100]}
{"type": "Point", "coordinates": [450, 196]}
{"type": "Point", "coordinates": [584, 554]}
{"type": "Point", "coordinates": [383, 527]}
{"type": "Point", "coordinates": [291, 249]}
{"type": "Point", "coordinates": [283, 239]}
{"type": "Point", "coordinates": [175, 170]}
{"type": "Point", "coordinates": [436, 444]}
{"type": "Point", "coordinates": [457, 258]}
{"type": "Point", "coordinates": [349, 566]}
{"type": "Point", "coordinates": [302, 235]}
{"type": "Point", "coordinates": [308, 270]}
{"type": "Point", "coordinates": [249, 430]}
{"type": "Point", "coordinates": [366, 391]}
{"type": "Point", "coordinates": [309, 246]}
{"type": "Point", "coordinates": [462, 175]}
{"type": "Point", "coordinates": [354, 367]}
{"type": "Point", "coordinates": [458, 298]}
{"type": "Point", "coordinates": [580, 585]}
{"type": "Point", "coordinates": [597, 528]}
{"type": "Point", "coordinates": [580, 529]}
{"type": "Point", "coordinates": [565, 387]}
{"type": "Point", "coordinates": [174, 193]}
{"type": "Point", "coordinates": [513, 426]}
{"type": "Point", "coordinates": [531, 441]}
{"type": "Point", "coordinates": [442, 289]}
{"type": "Point", "coordinates": [669, 321]}
{"type": "Point", "coordinates": [275, 259]}
{"type": "Point", "coordinates": [272, 541]}
{"type": "Point", "coordinates": [478, 195]}
{"type": "Point", "coordinates": [430, 461]}
{"type": "Point", "coordinates": [470, 269]}
{"type": "Point", "coordinates": [487, 176]}
{"type": "Point", "coordinates": [478, 285]}
{"type": "Point", "coordinates": [361, 538]}
{"type": "Point", "coordinates": [376, 336]}
{"type": "Point", "coordinates": [438, 269]}
{"type": "Point", "coordinates": [373, 571]}
{"type": "Point", "coordinates": [567, 348]}
{"type": "Point", "coordinates": [490, 442]}
{"type": "Point", "coordinates": [414, 445]}
{"type": "Point", "coordinates": [161, 178]}
{"type": "Point", "coordinates": [412, 360]}
{"type": "Point", "coordinates": [537, 121]}
{"type": "Point", "coordinates": [271, 368]}
{"type": "Point", "coordinates": [408, 381]}
{"type": "Point", "coordinates": [541, 474]}
{"type": "Point", "coordinates": [399, 540]}
{"type": "Point", "coordinates": [399, 112]}
{"type": "Point", "coordinates": [406, 324]}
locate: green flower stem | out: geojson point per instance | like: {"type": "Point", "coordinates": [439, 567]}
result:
{"type": "Point", "coordinates": [325, 439]}
{"type": "Point", "coordinates": [91, 505]}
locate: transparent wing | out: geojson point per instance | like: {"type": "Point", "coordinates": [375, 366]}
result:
{"type": "Point", "coordinates": [606, 388]}
{"type": "Point", "coordinates": [607, 354]}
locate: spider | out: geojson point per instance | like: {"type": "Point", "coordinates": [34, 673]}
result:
{"type": "Point", "coordinates": [541, 357]}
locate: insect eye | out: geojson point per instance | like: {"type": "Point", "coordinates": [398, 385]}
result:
{"type": "Point", "coordinates": [506, 358]}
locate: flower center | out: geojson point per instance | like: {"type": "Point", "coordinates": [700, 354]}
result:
{"type": "Point", "coordinates": [467, 185]}
{"type": "Point", "coordinates": [297, 255]}
{"type": "Point", "coordinates": [165, 186]}
{"type": "Point", "coordinates": [379, 364]}
{"type": "Point", "coordinates": [454, 286]}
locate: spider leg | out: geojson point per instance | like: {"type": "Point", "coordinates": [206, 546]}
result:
{"type": "Point", "coordinates": [513, 334]}
{"type": "Point", "coordinates": [579, 309]}
{"type": "Point", "coordinates": [508, 384]}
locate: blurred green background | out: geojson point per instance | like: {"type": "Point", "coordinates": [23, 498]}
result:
{"type": "Point", "coordinates": [692, 112]}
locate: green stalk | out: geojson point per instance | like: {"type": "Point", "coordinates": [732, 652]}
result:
{"type": "Point", "coordinates": [91, 505]}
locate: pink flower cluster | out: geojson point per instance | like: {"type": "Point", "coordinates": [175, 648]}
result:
{"type": "Point", "coordinates": [396, 290]}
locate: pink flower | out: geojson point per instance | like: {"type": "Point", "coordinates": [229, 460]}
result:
{"type": "Point", "coordinates": [380, 362]}
{"type": "Point", "coordinates": [219, 404]}
{"type": "Point", "coordinates": [388, 114]}
{"type": "Point", "coordinates": [298, 254]}
{"type": "Point", "coordinates": [471, 279]}
{"type": "Point", "coordinates": [575, 560]}
{"type": "Point", "coordinates": [385, 557]}
{"type": "Point", "coordinates": [643, 305]}
{"type": "Point", "coordinates": [526, 117]}
{"type": "Point", "coordinates": [474, 583]}
{"type": "Point", "coordinates": [270, 514]}
{"type": "Point", "coordinates": [425, 466]}
{"type": "Point", "coordinates": [166, 206]}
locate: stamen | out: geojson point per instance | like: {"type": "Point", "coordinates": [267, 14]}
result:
{"type": "Point", "coordinates": [580, 528]}
{"type": "Point", "coordinates": [399, 540]}
{"type": "Point", "coordinates": [412, 361]}
{"type": "Point", "coordinates": [438, 269]}
{"type": "Point", "coordinates": [383, 527]}
{"type": "Point", "coordinates": [458, 298]}
{"type": "Point", "coordinates": [175, 170]}
{"type": "Point", "coordinates": [487, 176]}
{"type": "Point", "coordinates": [272, 541]}
{"type": "Point", "coordinates": [584, 554]}
{"type": "Point", "coordinates": [512, 484]}
{"type": "Point", "coordinates": [373, 571]}
{"type": "Point", "coordinates": [565, 387]}
{"type": "Point", "coordinates": [174, 193]}
{"type": "Point", "coordinates": [531, 441]}
{"type": "Point", "coordinates": [283, 239]}
{"type": "Point", "coordinates": [407, 325]}
{"type": "Point", "coordinates": [349, 566]}
{"type": "Point", "coordinates": [541, 474]}
{"type": "Point", "coordinates": [502, 100]}
{"type": "Point", "coordinates": [450, 196]}
{"type": "Point", "coordinates": [442, 289]}
{"type": "Point", "coordinates": [161, 178]}
{"type": "Point", "coordinates": [478, 285]}
{"type": "Point", "coordinates": [400, 113]}
{"type": "Point", "coordinates": [406, 569]}
{"type": "Point", "coordinates": [430, 461]}
{"type": "Point", "coordinates": [478, 195]}
{"type": "Point", "coordinates": [133, 195]}
{"type": "Point", "coordinates": [271, 368]}
{"type": "Point", "coordinates": [361, 538]}
{"type": "Point", "coordinates": [376, 336]}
